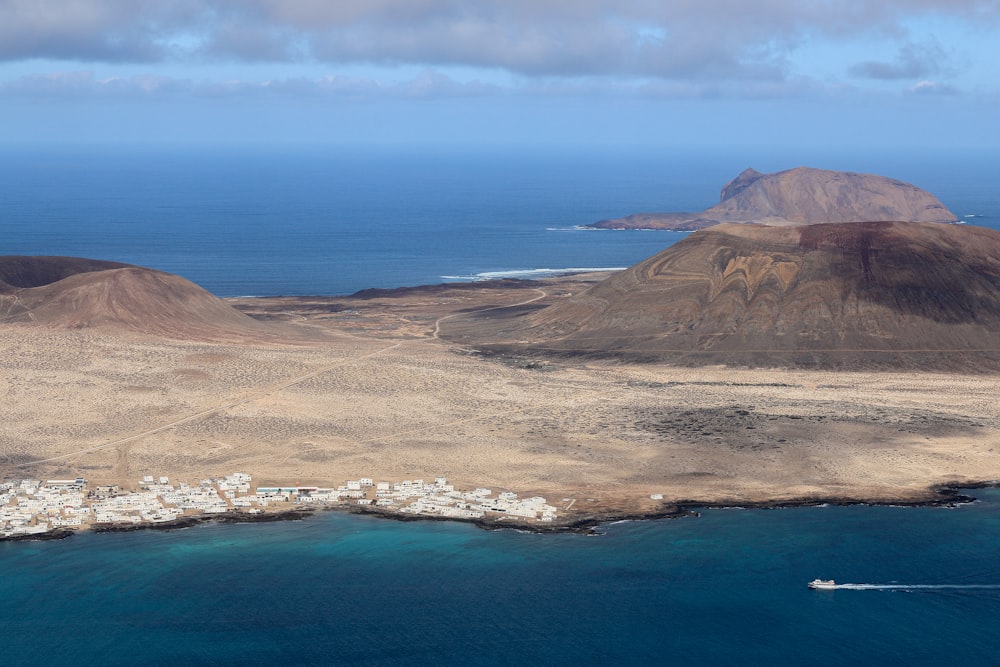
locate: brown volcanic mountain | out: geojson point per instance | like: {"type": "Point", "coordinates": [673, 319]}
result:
{"type": "Point", "coordinates": [801, 196]}
{"type": "Point", "coordinates": [862, 295]}
{"type": "Point", "coordinates": [85, 293]}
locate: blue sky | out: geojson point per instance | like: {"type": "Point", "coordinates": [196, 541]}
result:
{"type": "Point", "coordinates": [889, 74]}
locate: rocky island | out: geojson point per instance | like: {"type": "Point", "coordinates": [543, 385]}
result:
{"type": "Point", "coordinates": [801, 196]}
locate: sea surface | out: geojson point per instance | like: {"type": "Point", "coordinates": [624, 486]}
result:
{"type": "Point", "coordinates": [727, 588]}
{"type": "Point", "coordinates": [307, 221]}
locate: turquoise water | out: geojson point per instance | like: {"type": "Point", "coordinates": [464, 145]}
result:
{"type": "Point", "coordinates": [725, 588]}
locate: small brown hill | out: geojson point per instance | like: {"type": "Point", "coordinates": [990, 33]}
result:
{"type": "Point", "coordinates": [801, 196]}
{"type": "Point", "coordinates": [849, 295]}
{"type": "Point", "coordinates": [113, 297]}
{"type": "Point", "coordinates": [21, 271]}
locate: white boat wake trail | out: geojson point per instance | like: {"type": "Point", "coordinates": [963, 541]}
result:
{"type": "Point", "coordinates": [912, 587]}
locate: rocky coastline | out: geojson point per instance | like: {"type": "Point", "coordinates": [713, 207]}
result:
{"type": "Point", "coordinates": [589, 523]}
{"type": "Point", "coordinates": [941, 495]}
{"type": "Point", "coordinates": [190, 521]}
{"type": "Point", "coordinates": [184, 522]}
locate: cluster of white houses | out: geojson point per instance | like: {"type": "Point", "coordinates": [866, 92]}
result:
{"type": "Point", "coordinates": [437, 498]}
{"type": "Point", "coordinates": [33, 507]}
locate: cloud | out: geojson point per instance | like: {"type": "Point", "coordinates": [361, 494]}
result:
{"type": "Point", "coordinates": [81, 85]}
{"type": "Point", "coordinates": [90, 30]}
{"type": "Point", "coordinates": [913, 61]}
{"type": "Point", "coordinates": [932, 88]}
{"type": "Point", "coordinates": [673, 40]}
{"type": "Point", "coordinates": [428, 84]}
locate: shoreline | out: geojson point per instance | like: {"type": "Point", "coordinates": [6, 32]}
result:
{"type": "Point", "coordinates": [295, 514]}
{"type": "Point", "coordinates": [948, 496]}
{"type": "Point", "coordinates": [189, 521]}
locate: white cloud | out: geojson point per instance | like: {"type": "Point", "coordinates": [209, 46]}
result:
{"type": "Point", "coordinates": [74, 85]}
{"type": "Point", "coordinates": [913, 61]}
{"type": "Point", "coordinates": [926, 87]}
{"type": "Point", "coordinates": [674, 40]}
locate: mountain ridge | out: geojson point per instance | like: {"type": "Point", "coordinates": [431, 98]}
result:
{"type": "Point", "coordinates": [834, 295]}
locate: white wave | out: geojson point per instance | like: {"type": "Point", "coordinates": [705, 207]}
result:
{"type": "Point", "coordinates": [585, 228]}
{"type": "Point", "coordinates": [531, 273]}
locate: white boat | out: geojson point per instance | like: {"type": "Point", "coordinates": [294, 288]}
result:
{"type": "Point", "coordinates": [823, 584]}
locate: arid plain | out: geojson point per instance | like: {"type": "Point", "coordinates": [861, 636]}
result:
{"type": "Point", "coordinates": [375, 389]}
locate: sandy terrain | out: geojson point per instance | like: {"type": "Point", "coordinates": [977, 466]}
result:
{"type": "Point", "coordinates": [383, 397]}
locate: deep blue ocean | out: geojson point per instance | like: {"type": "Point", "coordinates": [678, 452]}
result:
{"type": "Point", "coordinates": [241, 221]}
{"type": "Point", "coordinates": [727, 588]}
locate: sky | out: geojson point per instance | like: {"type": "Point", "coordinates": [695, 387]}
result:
{"type": "Point", "coordinates": [662, 74]}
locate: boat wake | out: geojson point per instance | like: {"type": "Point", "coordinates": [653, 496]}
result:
{"type": "Point", "coordinates": [912, 587]}
{"type": "Point", "coordinates": [830, 584]}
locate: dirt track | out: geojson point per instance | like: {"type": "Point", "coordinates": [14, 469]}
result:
{"type": "Point", "coordinates": [383, 397]}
